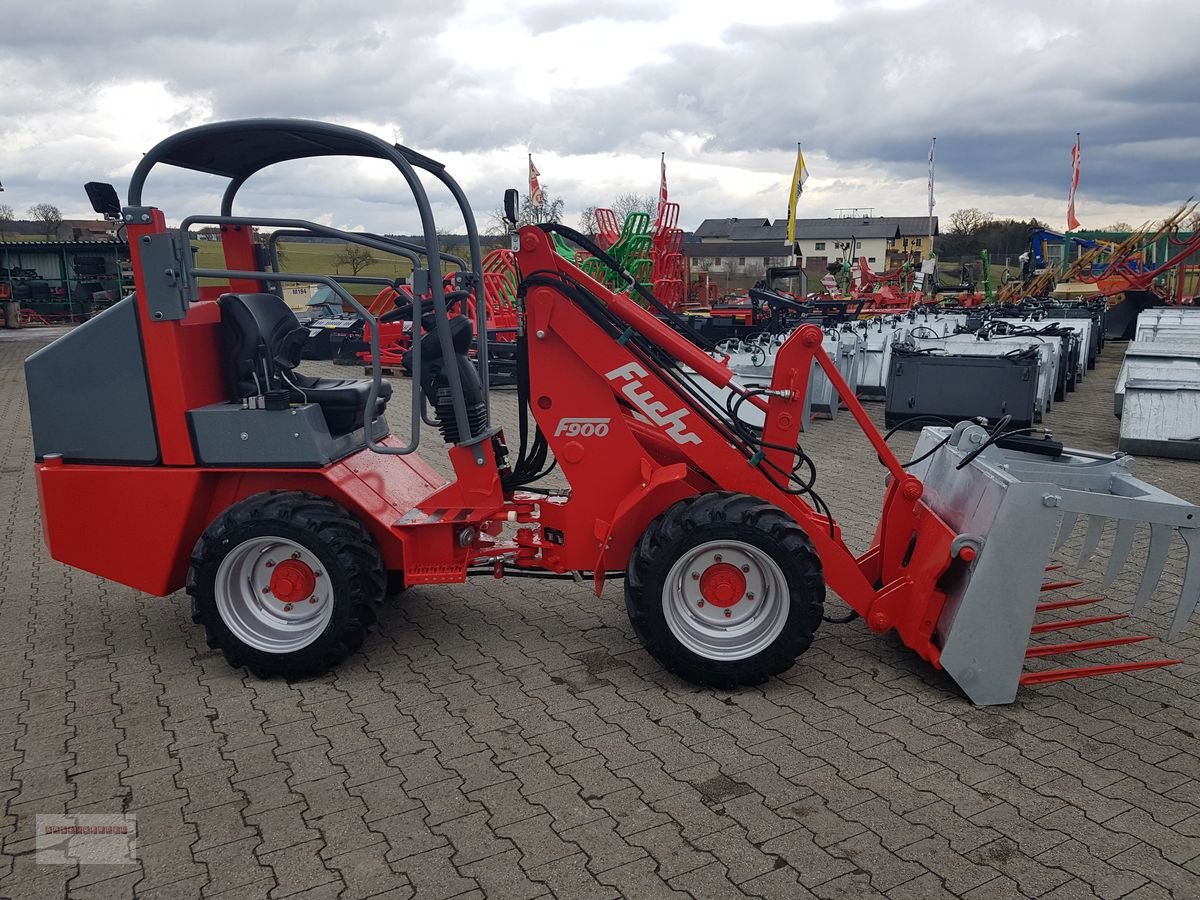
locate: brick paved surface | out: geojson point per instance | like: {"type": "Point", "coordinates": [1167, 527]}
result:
{"type": "Point", "coordinates": [511, 740]}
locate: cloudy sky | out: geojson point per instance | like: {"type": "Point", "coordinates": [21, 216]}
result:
{"type": "Point", "coordinates": [596, 90]}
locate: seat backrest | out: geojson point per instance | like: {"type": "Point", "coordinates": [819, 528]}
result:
{"type": "Point", "coordinates": [261, 339]}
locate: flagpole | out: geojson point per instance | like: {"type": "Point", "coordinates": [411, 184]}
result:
{"type": "Point", "coordinates": [932, 162]}
{"type": "Point", "coordinates": [792, 217]}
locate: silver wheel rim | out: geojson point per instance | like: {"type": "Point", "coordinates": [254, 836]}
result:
{"type": "Point", "coordinates": [725, 627]}
{"type": "Point", "coordinates": [251, 608]}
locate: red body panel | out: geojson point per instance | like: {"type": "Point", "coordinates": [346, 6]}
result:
{"type": "Point", "coordinates": [137, 524]}
{"type": "Point", "coordinates": [183, 358]}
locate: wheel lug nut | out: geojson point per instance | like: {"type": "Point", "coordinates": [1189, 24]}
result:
{"type": "Point", "coordinates": [270, 563]}
{"type": "Point", "coordinates": [750, 596]}
{"type": "Point", "coordinates": [316, 574]}
{"type": "Point", "coordinates": [745, 568]}
{"type": "Point", "coordinates": [717, 558]}
{"type": "Point", "coordinates": [728, 614]}
{"type": "Point", "coordinates": [296, 555]}
{"type": "Point", "coordinates": [695, 576]}
{"type": "Point", "coordinates": [699, 603]}
{"type": "Point", "coordinates": [312, 599]}
{"type": "Point", "coordinates": [287, 607]}
{"type": "Point", "coordinates": [266, 590]}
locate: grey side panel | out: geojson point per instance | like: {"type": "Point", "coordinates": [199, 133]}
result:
{"type": "Point", "coordinates": [224, 434]}
{"type": "Point", "coordinates": [960, 387]}
{"type": "Point", "coordinates": [88, 394]}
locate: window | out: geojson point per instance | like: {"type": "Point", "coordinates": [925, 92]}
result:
{"type": "Point", "coordinates": [915, 242]}
{"type": "Point", "coordinates": [870, 259]}
{"type": "Point", "coordinates": [741, 260]}
{"type": "Point", "coordinates": [766, 260]}
{"type": "Point", "coordinates": [717, 261]}
{"type": "Point", "coordinates": [858, 245]}
{"type": "Point", "coordinates": [819, 245]}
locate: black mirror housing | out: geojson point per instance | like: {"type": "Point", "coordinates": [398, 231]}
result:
{"type": "Point", "coordinates": [512, 202]}
{"type": "Point", "coordinates": [104, 199]}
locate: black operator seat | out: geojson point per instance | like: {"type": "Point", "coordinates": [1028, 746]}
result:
{"type": "Point", "coordinates": [262, 341]}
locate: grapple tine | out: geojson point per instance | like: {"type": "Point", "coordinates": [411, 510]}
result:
{"type": "Point", "coordinates": [1189, 594]}
{"type": "Point", "coordinates": [1091, 540]}
{"type": "Point", "coordinates": [1054, 568]}
{"type": "Point", "coordinates": [1064, 624]}
{"type": "Point", "coordinates": [1156, 561]}
{"type": "Point", "coordinates": [1059, 585]}
{"type": "Point", "coordinates": [1122, 545]}
{"type": "Point", "coordinates": [1064, 530]}
{"type": "Point", "coordinates": [1067, 604]}
{"type": "Point", "coordinates": [1051, 675]}
{"type": "Point", "coordinates": [1079, 646]}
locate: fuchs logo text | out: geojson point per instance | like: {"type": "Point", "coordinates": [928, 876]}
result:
{"type": "Point", "coordinates": [582, 427]}
{"type": "Point", "coordinates": [654, 410]}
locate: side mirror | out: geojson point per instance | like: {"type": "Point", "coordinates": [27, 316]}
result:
{"type": "Point", "coordinates": [512, 202]}
{"type": "Point", "coordinates": [104, 199]}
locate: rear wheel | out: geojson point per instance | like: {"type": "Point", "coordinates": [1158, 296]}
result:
{"type": "Point", "coordinates": [285, 583]}
{"type": "Point", "coordinates": [724, 590]}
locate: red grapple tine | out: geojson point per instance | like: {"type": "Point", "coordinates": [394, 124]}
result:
{"type": "Point", "coordinates": [1054, 568]}
{"type": "Point", "coordinates": [1058, 585]}
{"type": "Point", "coordinates": [1079, 646]}
{"type": "Point", "coordinates": [1073, 623]}
{"type": "Point", "coordinates": [1052, 675]}
{"type": "Point", "coordinates": [1066, 604]}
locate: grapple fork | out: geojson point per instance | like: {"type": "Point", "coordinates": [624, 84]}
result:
{"type": "Point", "coordinates": [1016, 508]}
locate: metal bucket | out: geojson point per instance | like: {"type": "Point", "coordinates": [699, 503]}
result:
{"type": "Point", "coordinates": [1015, 509]}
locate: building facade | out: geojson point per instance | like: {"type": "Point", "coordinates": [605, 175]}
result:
{"type": "Point", "coordinates": [738, 250]}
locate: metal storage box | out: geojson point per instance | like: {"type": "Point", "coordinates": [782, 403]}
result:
{"type": "Point", "coordinates": [960, 387]}
{"type": "Point", "coordinates": [1161, 417]}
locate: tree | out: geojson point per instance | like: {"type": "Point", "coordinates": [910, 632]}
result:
{"type": "Point", "coordinates": [49, 216]}
{"type": "Point", "coordinates": [355, 257]}
{"type": "Point", "coordinates": [1193, 222]}
{"type": "Point", "coordinates": [6, 213]}
{"type": "Point", "coordinates": [549, 210]}
{"type": "Point", "coordinates": [587, 222]}
{"type": "Point", "coordinates": [968, 221]}
{"type": "Point", "coordinates": [630, 202]}
{"type": "Point", "coordinates": [1120, 225]}
{"type": "Point", "coordinates": [622, 205]}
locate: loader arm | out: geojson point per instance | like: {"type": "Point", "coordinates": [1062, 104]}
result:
{"type": "Point", "coordinates": [616, 392]}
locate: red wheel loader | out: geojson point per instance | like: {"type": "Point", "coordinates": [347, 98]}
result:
{"type": "Point", "coordinates": [178, 444]}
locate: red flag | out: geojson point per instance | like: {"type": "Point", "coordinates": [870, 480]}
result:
{"type": "Point", "coordinates": [662, 185]}
{"type": "Point", "coordinates": [535, 189]}
{"type": "Point", "coordinates": [1072, 222]}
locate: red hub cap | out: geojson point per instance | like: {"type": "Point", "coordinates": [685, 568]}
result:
{"type": "Point", "coordinates": [723, 584]}
{"type": "Point", "coordinates": [293, 581]}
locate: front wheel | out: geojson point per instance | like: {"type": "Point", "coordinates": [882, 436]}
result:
{"type": "Point", "coordinates": [725, 589]}
{"type": "Point", "coordinates": [285, 583]}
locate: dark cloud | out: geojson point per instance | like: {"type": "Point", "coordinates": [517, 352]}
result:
{"type": "Point", "coordinates": [1003, 86]}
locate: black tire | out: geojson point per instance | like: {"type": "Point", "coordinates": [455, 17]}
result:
{"type": "Point", "coordinates": [340, 543]}
{"type": "Point", "coordinates": [738, 519]}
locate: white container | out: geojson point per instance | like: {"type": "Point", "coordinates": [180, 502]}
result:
{"type": "Point", "coordinates": [1182, 355]}
{"type": "Point", "coordinates": [1161, 415]}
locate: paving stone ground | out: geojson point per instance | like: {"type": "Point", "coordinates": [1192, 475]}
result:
{"type": "Point", "coordinates": [511, 740]}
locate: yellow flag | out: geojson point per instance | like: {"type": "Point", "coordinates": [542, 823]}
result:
{"type": "Point", "coordinates": [798, 178]}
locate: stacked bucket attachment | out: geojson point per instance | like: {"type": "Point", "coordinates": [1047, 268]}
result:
{"type": "Point", "coordinates": [1014, 509]}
